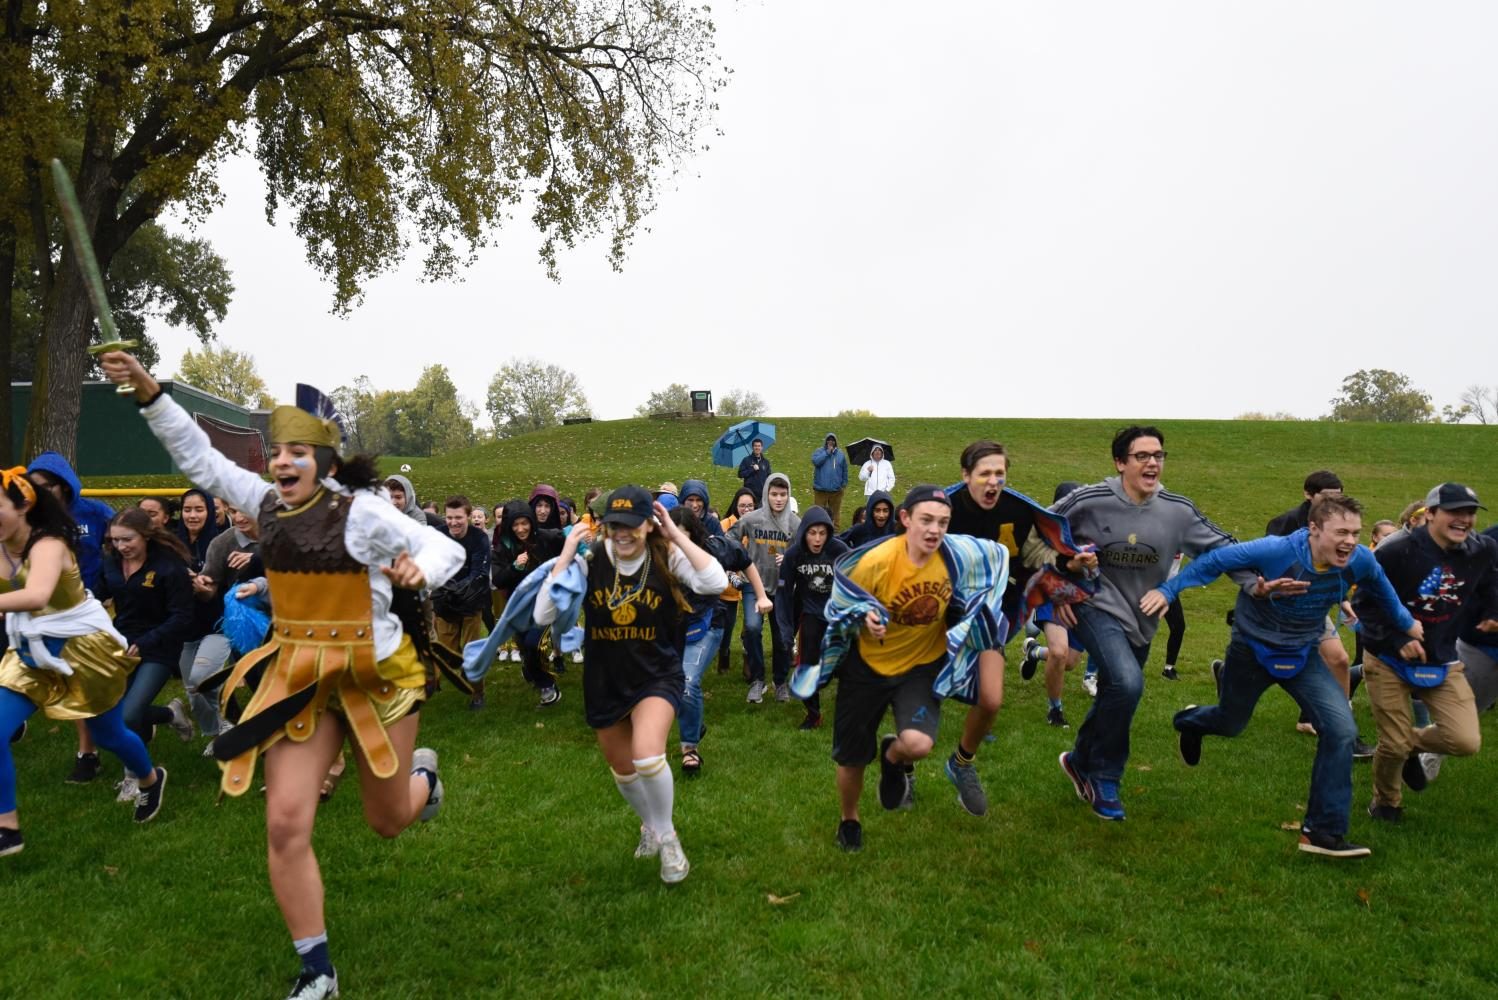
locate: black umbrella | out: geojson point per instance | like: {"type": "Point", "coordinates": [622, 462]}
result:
{"type": "Point", "coordinates": [858, 451]}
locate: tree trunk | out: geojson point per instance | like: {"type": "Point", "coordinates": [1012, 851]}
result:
{"type": "Point", "coordinates": [62, 355]}
{"type": "Point", "coordinates": [7, 294]}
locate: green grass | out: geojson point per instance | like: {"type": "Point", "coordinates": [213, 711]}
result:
{"type": "Point", "coordinates": [526, 886]}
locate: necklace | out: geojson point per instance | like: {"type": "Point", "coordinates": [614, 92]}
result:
{"type": "Point", "coordinates": [618, 597]}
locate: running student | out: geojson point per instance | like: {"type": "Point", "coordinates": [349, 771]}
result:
{"type": "Point", "coordinates": [66, 658]}
{"type": "Point", "coordinates": [1276, 633]}
{"type": "Point", "coordinates": [634, 603]}
{"type": "Point", "coordinates": [767, 533]}
{"type": "Point", "coordinates": [1447, 576]}
{"type": "Point", "coordinates": [896, 610]}
{"type": "Point", "coordinates": [1138, 527]}
{"type": "Point", "coordinates": [1057, 652]}
{"type": "Point", "coordinates": [338, 663]}
{"type": "Point", "coordinates": [805, 583]}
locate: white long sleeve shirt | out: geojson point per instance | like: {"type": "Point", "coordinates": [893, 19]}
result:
{"type": "Point", "coordinates": [877, 476]}
{"type": "Point", "coordinates": [709, 580]}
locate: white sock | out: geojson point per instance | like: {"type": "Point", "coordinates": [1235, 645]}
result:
{"type": "Point", "coordinates": [659, 792]}
{"type": "Point", "coordinates": [633, 791]}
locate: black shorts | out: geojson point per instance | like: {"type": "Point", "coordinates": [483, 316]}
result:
{"type": "Point", "coordinates": [862, 697]}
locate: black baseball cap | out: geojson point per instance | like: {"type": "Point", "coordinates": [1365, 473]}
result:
{"type": "Point", "coordinates": [630, 506]}
{"type": "Point", "coordinates": [923, 493]}
{"type": "Point", "coordinates": [1452, 496]}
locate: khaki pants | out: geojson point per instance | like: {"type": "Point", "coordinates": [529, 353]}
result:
{"type": "Point", "coordinates": [455, 637]}
{"type": "Point", "coordinates": [1453, 729]}
{"type": "Point", "coordinates": [832, 503]}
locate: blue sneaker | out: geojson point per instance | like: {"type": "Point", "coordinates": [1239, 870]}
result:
{"type": "Point", "coordinates": [1104, 799]}
{"type": "Point", "coordinates": [1079, 781]}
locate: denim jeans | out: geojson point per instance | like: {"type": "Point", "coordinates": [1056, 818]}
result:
{"type": "Point", "coordinates": [694, 663]}
{"type": "Point", "coordinates": [144, 685]}
{"type": "Point", "coordinates": [1319, 696]}
{"type": "Point", "coordinates": [202, 659]}
{"type": "Point", "coordinates": [1102, 747]}
{"type": "Point", "coordinates": [754, 648]}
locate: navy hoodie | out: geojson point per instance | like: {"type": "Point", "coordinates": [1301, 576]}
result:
{"type": "Point", "coordinates": [805, 580]}
{"type": "Point", "coordinates": [93, 516]}
{"type": "Point", "coordinates": [866, 530]}
{"type": "Point", "coordinates": [696, 487]}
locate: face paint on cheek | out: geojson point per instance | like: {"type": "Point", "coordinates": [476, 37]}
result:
{"type": "Point", "coordinates": [302, 463]}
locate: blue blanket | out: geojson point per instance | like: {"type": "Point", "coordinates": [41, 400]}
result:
{"type": "Point", "coordinates": [566, 590]}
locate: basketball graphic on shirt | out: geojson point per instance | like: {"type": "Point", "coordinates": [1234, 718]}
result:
{"type": "Point", "coordinates": [921, 611]}
{"type": "Point", "coordinates": [624, 614]}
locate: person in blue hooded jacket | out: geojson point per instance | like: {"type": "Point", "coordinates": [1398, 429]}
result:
{"type": "Point", "coordinates": [53, 471]}
{"type": "Point", "coordinates": [694, 497]}
{"type": "Point", "coordinates": [805, 583]}
{"type": "Point", "coordinates": [1277, 626]}
{"type": "Point", "coordinates": [829, 478]}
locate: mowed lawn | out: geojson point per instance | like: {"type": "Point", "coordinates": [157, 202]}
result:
{"type": "Point", "coordinates": [525, 885]}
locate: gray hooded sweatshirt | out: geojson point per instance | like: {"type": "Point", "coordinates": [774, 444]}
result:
{"type": "Point", "coordinates": [766, 535]}
{"type": "Point", "coordinates": [413, 509]}
{"type": "Point", "coordinates": [1136, 545]}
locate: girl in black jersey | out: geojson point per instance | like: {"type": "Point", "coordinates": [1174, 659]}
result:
{"type": "Point", "coordinates": [633, 618]}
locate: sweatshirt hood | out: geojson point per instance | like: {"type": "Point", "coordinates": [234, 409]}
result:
{"type": "Point", "coordinates": [874, 531]}
{"type": "Point", "coordinates": [695, 487]}
{"type": "Point", "coordinates": [413, 508]}
{"type": "Point", "coordinates": [1115, 484]}
{"type": "Point", "coordinates": [814, 515]}
{"type": "Point", "coordinates": [771, 480]}
{"type": "Point", "coordinates": [210, 529]}
{"type": "Point", "coordinates": [781, 521]}
{"type": "Point", "coordinates": [513, 510]}
{"type": "Point", "coordinates": [549, 492]}
{"type": "Point", "coordinates": [58, 468]}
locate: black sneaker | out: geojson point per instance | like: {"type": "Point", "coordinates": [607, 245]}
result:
{"type": "Point", "coordinates": [314, 985]}
{"type": "Point", "coordinates": [1361, 750]}
{"type": "Point", "coordinates": [1387, 813]}
{"type": "Point", "coordinates": [1034, 651]}
{"type": "Point", "coordinates": [549, 697]}
{"type": "Point", "coordinates": [1414, 774]}
{"type": "Point", "coordinates": [1330, 845]}
{"type": "Point", "coordinates": [1055, 717]}
{"type": "Point", "coordinates": [85, 769]}
{"type": "Point", "coordinates": [148, 800]}
{"type": "Point", "coordinates": [11, 842]}
{"type": "Point", "coordinates": [813, 720]}
{"type": "Point", "coordinates": [1169, 673]}
{"type": "Point", "coordinates": [20, 733]}
{"type": "Point", "coordinates": [1191, 744]}
{"type": "Point", "coordinates": [1217, 677]}
{"type": "Point", "coordinates": [559, 665]}
{"type": "Point", "coordinates": [894, 783]}
{"type": "Point", "coordinates": [849, 835]}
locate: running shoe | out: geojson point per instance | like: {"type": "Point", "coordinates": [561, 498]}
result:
{"type": "Point", "coordinates": [970, 794]}
{"type": "Point", "coordinates": [11, 842]}
{"type": "Point", "coordinates": [1191, 744]}
{"type": "Point", "coordinates": [1105, 800]}
{"type": "Point", "coordinates": [181, 722]}
{"type": "Point", "coordinates": [126, 789]}
{"type": "Point", "coordinates": [782, 692]}
{"type": "Point", "coordinates": [85, 769]}
{"type": "Point", "coordinates": [1330, 845]}
{"type": "Point", "coordinates": [1034, 651]}
{"type": "Point", "coordinates": [649, 845]}
{"type": "Point", "coordinates": [549, 697]}
{"type": "Point", "coordinates": [1079, 782]}
{"type": "Point", "coordinates": [812, 721]}
{"type": "Point", "coordinates": [1361, 750]}
{"type": "Point", "coordinates": [1089, 684]}
{"type": "Point", "coordinates": [1414, 774]}
{"type": "Point", "coordinates": [1057, 718]}
{"type": "Point", "coordinates": [674, 865]}
{"type": "Point", "coordinates": [1387, 813]}
{"type": "Point", "coordinates": [148, 800]}
{"type": "Point", "coordinates": [1169, 673]}
{"type": "Point", "coordinates": [425, 759]}
{"type": "Point", "coordinates": [1430, 763]}
{"type": "Point", "coordinates": [756, 693]}
{"type": "Point", "coordinates": [849, 835]}
{"type": "Point", "coordinates": [314, 986]}
{"type": "Point", "coordinates": [893, 781]}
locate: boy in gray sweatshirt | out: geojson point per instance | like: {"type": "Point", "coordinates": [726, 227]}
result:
{"type": "Point", "coordinates": [1138, 527]}
{"type": "Point", "coordinates": [767, 532]}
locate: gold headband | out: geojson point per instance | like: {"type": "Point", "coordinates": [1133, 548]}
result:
{"type": "Point", "coordinates": [294, 425]}
{"type": "Point", "coordinates": [18, 476]}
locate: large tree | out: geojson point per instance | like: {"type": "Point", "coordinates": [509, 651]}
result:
{"type": "Point", "coordinates": [227, 373]}
{"type": "Point", "coordinates": [374, 123]}
{"type": "Point", "coordinates": [1377, 394]}
{"type": "Point", "coordinates": [674, 398]}
{"type": "Point", "coordinates": [525, 395]}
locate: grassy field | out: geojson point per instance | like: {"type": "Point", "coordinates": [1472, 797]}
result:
{"type": "Point", "coordinates": [525, 885]}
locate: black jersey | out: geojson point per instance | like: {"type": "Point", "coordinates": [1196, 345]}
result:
{"type": "Point", "coordinates": [1009, 523]}
{"type": "Point", "coordinates": [632, 630]}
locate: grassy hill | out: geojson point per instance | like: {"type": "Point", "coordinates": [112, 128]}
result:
{"type": "Point", "coordinates": [525, 886]}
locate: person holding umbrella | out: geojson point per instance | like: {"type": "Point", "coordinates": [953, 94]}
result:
{"type": "Point", "coordinates": [755, 468]}
{"type": "Point", "coordinates": [829, 478]}
{"type": "Point", "coordinates": [878, 473]}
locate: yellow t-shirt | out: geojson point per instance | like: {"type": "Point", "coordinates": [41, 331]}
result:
{"type": "Point", "coordinates": [917, 599]}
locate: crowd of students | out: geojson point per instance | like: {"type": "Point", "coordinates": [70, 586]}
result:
{"type": "Point", "coordinates": [321, 608]}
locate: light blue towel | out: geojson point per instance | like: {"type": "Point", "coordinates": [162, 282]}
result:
{"type": "Point", "coordinates": [566, 592]}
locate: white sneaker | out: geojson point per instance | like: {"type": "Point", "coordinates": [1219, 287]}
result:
{"type": "Point", "coordinates": [649, 845]}
{"type": "Point", "coordinates": [314, 986]}
{"type": "Point", "coordinates": [1089, 684]}
{"type": "Point", "coordinates": [577, 656]}
{"type": "Point", "coordinates": [1430, 763]}
{"type": "Point", "coordinates": [181, 722]}
{"type": "Point", "coordinates": [674, 865]}
{"type": "Point", "coordinates": [127, 788]}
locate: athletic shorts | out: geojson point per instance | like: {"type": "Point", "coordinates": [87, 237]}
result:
{"type": "Point", "coordinates": [863, 696]}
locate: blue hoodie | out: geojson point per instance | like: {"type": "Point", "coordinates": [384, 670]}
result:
{"type": "Point", "coordinates": [696, 487]}
{"type": "Point", "coordinates": [866, 530]}
{"type": "Point", "coordinates": [831, 467]}
{"type": "Point", "coordinates": [1296, 620]}
{"type": "Point", "coordinates": [93, 516]}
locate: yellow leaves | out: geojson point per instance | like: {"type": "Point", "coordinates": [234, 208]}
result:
{"type": "Point", "coordinates": [775, 900]}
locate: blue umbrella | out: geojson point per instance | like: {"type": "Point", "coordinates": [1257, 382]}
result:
{"type": "Point", "coordinates": [736, 443]}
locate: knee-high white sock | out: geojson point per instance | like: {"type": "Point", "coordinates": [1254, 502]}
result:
{"type": "Point", "coordinates": [660, 793]}
{"type": "Point", "coordinates": [633, 791]}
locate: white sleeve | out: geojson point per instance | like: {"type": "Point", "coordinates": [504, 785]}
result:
{"type": "Point", "coordinates": [203, 465]}
{"type": "Point", "coordinates": [711, 580]}
{"type": "Point", "coordinates": [864, 470]}
{"type": "Point", "coordinates": [545, 610]}
{"type": "Point", "coordinates": [377, 533]}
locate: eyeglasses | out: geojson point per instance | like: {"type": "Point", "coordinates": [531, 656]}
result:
{"type": "Point", "coordinates": [1144, 456]}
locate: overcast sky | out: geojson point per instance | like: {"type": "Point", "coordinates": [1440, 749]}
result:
{"type": "Point", "coordinates": [1187, 209]}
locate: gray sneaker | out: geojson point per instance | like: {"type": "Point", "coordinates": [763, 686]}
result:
{"type": "Point", "coordinates": [649, 845]}
{"type": "Point", "coordinates": [425, 759]}
{"type": "Point", "coordinates": [674, 866]}
{"type": "Point", "coordinates": [782, 692]}
{"type": "Point", "coordinates": [181, 722]}
{"type": "Point", "coordinates": [756, 693]}
{"type": "Point", "coordinates": [970, 794]}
